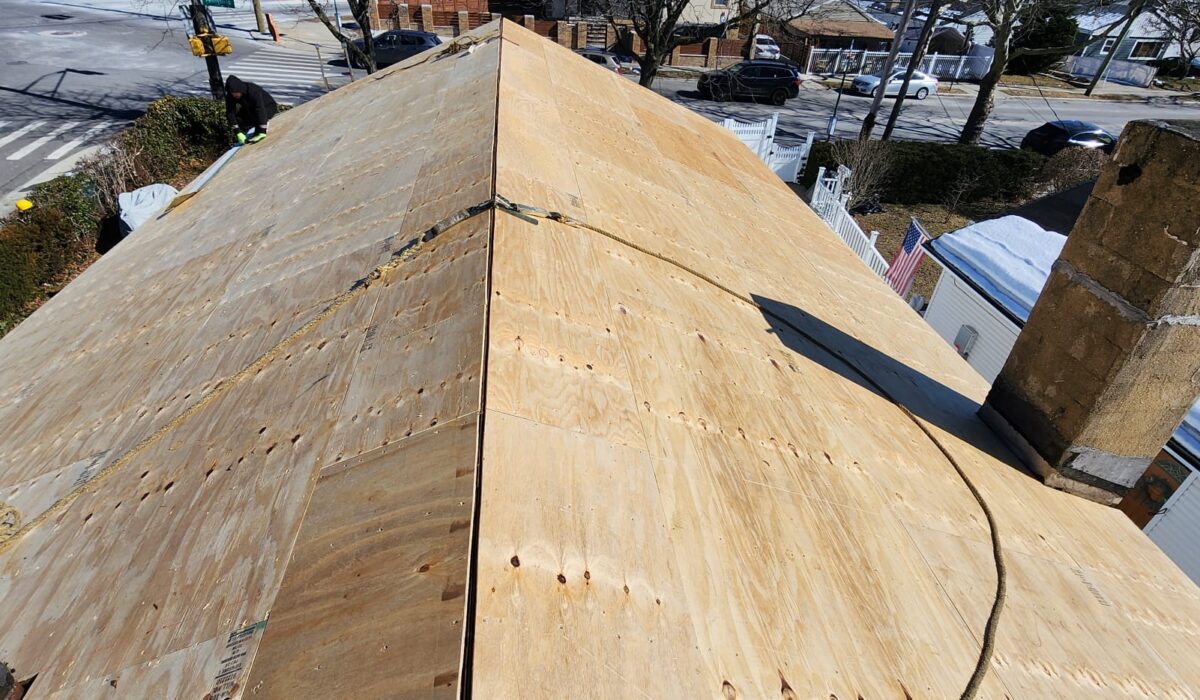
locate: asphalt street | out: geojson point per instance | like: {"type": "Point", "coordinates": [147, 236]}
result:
{"type": "Point", "coordinates": [76, 71]}
{"type": "Point", "coordinates": [937, 118]}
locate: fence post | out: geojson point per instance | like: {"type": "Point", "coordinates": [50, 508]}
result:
{"type": "Point", "coordinates": [463, 23]}
{"type": "Point", "coordinates": [427, 18]}
{"type": "Point", "coordinates": [562, 33]}
{"type": "Point", "coordinates": [710, 52]}
{"type": "Point", "coordinates": [527, 21]}
{"type": "Point", "coordinates": [402, 16]}
{"type": "Point", "coordinates": [862, 61]}
{"type": "Point", "coordinates": [874, 237]}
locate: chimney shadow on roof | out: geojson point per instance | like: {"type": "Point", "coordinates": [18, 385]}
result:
{"type": "Point", "coordinates": [885, 376]}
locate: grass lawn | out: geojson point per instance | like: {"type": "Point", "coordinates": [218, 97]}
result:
{"type": "Point", "coordinates": [1036, 81]}
{"type": "Point", "coordinates": [1179, 84]}
{"type": "Point", "coordinates": [936, 218]}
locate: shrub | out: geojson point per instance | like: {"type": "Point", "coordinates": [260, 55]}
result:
{"type": "Point", "coordinates": [928, 173]}
{"type": "Point", "coordinates": [175, 139]}
{"type": "Point", "coordinates": [870, 164]}
{"type": "Point", "coordinates": [1072, 166]}
{"type": "Point", "coordinates": [41, 249]}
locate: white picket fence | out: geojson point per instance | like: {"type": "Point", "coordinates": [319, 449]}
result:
{"type": "Point", "coordinates": [829, 200]}
{"type": "Point", "coordinates": [1123, 72]}
{"type": "Point", "coordinates": [838, 61]}
{"type": "Point", "coordinates": [787, 161]}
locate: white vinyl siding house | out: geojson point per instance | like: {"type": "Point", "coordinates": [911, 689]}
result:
{"type": "Point", "coordinates": [992, 273]}
{"type": "Point", "coordinates": [1175, 527]}
{"type": "Point", "coordinates": [956, 304]}
{"type": "Point", "coordinates": [1145, 41]}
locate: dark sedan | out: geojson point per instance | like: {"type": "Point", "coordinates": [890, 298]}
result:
{"type": "Point", "coordinates": [1052, 137]}
{"type": "Point", "coordinates": [397, 45]}
{"type": "Point", "coordinates": [771, 80]}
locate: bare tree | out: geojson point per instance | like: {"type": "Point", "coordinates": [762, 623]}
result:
{"type": "Point", "coordinates": [1004, 16]}
{"type": "Point", "coordinates": [1179, 21]}
{"type": "Point", "coordinates": [931, 18]}
{"type": "Point", "coordinates": [361, 9]}
{"type": "Point", "coordinates": [1072, 166]}
{"type": "Point", "coordinates": [870, 164]}
{"type": "Point", "coordinates": [655, 23]}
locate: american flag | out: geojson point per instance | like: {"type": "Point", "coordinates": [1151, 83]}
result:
{"type": "Point", "coordinates": [904, 264]}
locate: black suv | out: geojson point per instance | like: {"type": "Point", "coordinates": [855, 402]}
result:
{"type": "Point", "coordinates": [773, 80]}
{"type": "Point", "coordinates": [397, 45]}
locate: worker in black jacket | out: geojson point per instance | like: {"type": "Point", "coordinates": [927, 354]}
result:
{"type": "Point", "coordinates": [248, 108]}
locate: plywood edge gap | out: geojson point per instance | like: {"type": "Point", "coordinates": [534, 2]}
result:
{"type": "Point", "coordinates": [470, 599]}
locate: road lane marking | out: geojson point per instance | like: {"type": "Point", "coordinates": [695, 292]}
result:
{"type": "Point", "coordinates": [19, 133]}
{"type": "Point", "coordinates": [74, 143]}
{"type": "Point", "coordinates": [38, 143]}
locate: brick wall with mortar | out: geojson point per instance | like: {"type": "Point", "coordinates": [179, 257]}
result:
{"type": "Point", "coordinates": [1109, 361]}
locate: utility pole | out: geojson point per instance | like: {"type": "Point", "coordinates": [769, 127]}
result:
{"type": "Point", "coordinates": [259, 17]}
{"type": "Point", "coordinates": [1133, 15]}
{"type": "Point", "coordinates": [935, 11]}
{"type": "Point", "coordinates": [204, 31]}
{"type": "Point", "coordinates": [869, 122]}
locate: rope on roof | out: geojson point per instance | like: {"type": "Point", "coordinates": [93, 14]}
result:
{"type": "Point", "coordinates": [982, 662]}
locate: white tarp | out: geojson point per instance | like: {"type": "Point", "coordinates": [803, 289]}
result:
{"type": "Point", "coordinates": [142, 204]}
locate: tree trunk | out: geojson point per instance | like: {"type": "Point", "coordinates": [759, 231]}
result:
{"type": "Point", "coordinates": [649, 72]}
{"type": "Point", "coordinates": [363, 16]}
{"type": "Point", "coordinates": [1109, 56]}
{"type": "Point", "coordinates": [868, 124]}
{"type": "Point", "coordinates": [973, 129]}
{"type": "Point", "coordinates": [366, 54]}
{"type": "Point", "coordinates": [935, 11]}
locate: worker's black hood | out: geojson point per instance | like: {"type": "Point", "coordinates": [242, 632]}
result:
{"type": "Point", "coordinates": [235, 84]}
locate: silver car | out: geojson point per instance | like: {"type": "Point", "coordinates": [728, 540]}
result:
{"type": "Point", "coordinates": [920, 87]}
{"type": "Point", "coordinates": [607, 59]}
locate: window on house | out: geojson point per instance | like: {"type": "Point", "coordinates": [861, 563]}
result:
{"type": "Point", "coordinates": [1107, 47]}
{"type": "Point", "coordinates": [1146, 49]}
{"type": "Point", "coordinates": [720, 3]}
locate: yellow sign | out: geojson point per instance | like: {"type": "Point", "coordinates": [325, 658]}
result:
{"type": "Point", "coordinates": [24, 204]}
{"type": "Point", "coordinates": [220, 45]}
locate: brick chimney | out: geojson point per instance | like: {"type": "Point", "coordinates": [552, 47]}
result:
{"type": "Point", "coordinates": [1109, 361]}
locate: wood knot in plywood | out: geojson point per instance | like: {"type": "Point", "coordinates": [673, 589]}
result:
{"type": "Point", "coordinates": [10, 521]}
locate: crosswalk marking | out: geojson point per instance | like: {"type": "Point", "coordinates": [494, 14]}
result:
{"type": "Point", "coordinates": [19, 133]}
{"type": "Point", "coordinates": [75, 142]}
{"type": "Point", "coordinates": [291, 76]}
{"type": "Point", "coordinates": [37, 143]}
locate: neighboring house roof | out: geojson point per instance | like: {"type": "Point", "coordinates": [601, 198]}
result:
{"type": "Point", "coordinates": [675, 442]}
{"type": "Point", "coordinates": [1056, 212]}
{"type": "Point", "coordinates": [840, 18]}
{"type": "Point", "coordinates": [1007, 261]}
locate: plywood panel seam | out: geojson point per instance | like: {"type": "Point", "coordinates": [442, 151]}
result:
{"type": "Point", "coordinates": [470, 599]}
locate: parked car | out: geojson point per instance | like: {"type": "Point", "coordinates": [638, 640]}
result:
{"type": "Point", "coordinates": [765, 47]}
{"type": "Point", "coordinates": [771, 80]}
{"type": "Point", "coordinates": [396, 45]}
{"type": "Point", "coordinates": [920, 87]}
{"type": "Point", "coordinates": [608, 59]}
{"type": "Point", "coordinates": [1052, 137]}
